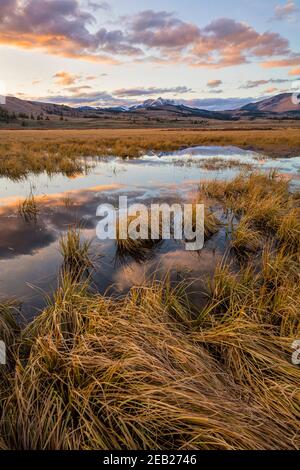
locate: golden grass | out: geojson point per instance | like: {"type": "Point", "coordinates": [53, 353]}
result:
{"type": "Point", "coordinates": [142, 374]}
{"type": "Point", "coordinates": [216, 163]}
{"type": "Point", "coordinates": [153, 371]}
{"type": "Point", "coordinates": [75, 252]}
{"type": "Point", "coordinates": [22, 152]}
{"type": "Point", "coordinates": [28, 208]}
{"type": "Point", "coordinates": [264, 206]}
{"type": "Point", "coordinates": [245, 238]}
{"type": "Point", "coordinates": [211, 222]}
{"type": "Point", "coordinates": [139, 249]}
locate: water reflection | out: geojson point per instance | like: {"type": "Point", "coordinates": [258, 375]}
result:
{"type": "Point", "coordinates": [30, 257]}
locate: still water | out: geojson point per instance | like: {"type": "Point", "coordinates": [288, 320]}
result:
{"type": "Point", "coordinates": [29, 250]}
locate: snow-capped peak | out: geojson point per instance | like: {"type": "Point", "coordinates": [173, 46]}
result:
{"type": "Point", "coordinates": [154, 103]}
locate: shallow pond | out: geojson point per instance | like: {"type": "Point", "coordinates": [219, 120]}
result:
{"type": "Point", "coordinates": [29, 250]}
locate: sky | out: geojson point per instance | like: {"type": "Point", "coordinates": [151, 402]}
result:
{"type": "Point", "coordinates": [217, 54]}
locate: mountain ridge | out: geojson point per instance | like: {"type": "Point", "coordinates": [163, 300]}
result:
{"type": "Point", "coordinates": [278, 106]}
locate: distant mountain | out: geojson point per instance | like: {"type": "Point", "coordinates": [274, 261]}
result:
{"type": "Point", "coordinates": [277, 104]}
{"type": "Point", "coordinates": [280, 104]}
{"type": "Point", "coordinates": [162, 107]}
{"type": "Point", "coordinates": [160, 110]}
{"type": "Point", "coordinates": [154, 104]}
{"type": "Point", "coordinates": [36, 108]}
{"type": "Point", "coordinates": [95, 109]}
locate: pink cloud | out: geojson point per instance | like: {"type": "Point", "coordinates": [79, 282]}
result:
{"type": "Point", "coordinates": [214, 83]}
{"type": "Point", "coordinates": [286, 11]}
{"type": "Point", "coordinates": [295, 71]}
{"type": "Point", "coordinates": [63, 27]}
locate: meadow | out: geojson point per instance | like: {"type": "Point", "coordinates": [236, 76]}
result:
{"type": "Point", "coordinates": [29, 151]}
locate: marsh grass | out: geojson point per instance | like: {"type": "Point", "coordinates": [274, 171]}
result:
{"type": "Point", "coordinates": [216, 163]}
{"type": "Point", "coordinates": [142, 249]}
{"type": "Point", "coordinates": [67, 201]}
{"type": "Point", "coordinates": [28, 208]}
{"type": "Point", "coordinates": [139, 249]}
{"type": "Point", "coordinates": [264, 208]}
{"type": "Point", "coordinates": [152, 371]}
{"type": "Point", "coordinates": [77, 259]}
{"type": "Point", "coordinates": [25, 152]}
{"type": "Point", "coordinates": [245, 239]}
{"type": "Point", "coordinates": [211, 222]}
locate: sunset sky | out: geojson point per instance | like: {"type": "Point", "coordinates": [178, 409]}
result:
{"type": "Point", "coordinates": [212, 54]}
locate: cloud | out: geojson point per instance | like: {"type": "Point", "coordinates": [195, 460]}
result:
{"type": "Point", "coordinates": [214, 83]}
{"type": "Point", "coordinates": [126, 92]}
{"type": "Point", "coordinates": [214, 91]}
{"type": "Point", "coordinates": [59, 27]}
{"type": "Point", "coordinates": [218, 104]}
{"type": "Point", "coordinates": [67, 28]}
{"type": "Point", "coordinates": [287, 11]}
{"type": "Point", "coordinates": [99, 5]}
{"type": "Point", "coordinates": [257, 83]}
{"type": "Point", "coordinates": [224, 42]}
{"type": "Point", "coordinates": [254, 83]}
{"type": "Point", "coordinates": [295, 71]}
{"type": "Point", "coordinates": [271, 90]}
{"type": "Point", "coordinates": [161, 30]}
{"type": "Point", "coordinates": [293, 59]}
{"type": "Point", "coordinates": [79, 98]}
{"type": "Point", "coordinates": [77, 95]}
{"type": "Point", "coordinates": [78, 89]}
{"type": "Point", "coordinates": [65, 78]}
{"type": "Point", "coordinates": [105, 99]}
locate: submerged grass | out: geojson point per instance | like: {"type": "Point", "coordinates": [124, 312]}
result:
{"type": "Point", "coordinates": [139, 249]}
{"type": "Point", "coordinates": [216, 163]}
{"type": "Point", "coordinates": [142, 248]}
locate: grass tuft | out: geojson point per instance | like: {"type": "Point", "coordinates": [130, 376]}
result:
{"type": "Point", "coordinates": [75, 252]}
{"type": "Point", "coordinates": [28, 208]}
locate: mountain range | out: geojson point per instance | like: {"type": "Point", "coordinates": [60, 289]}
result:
{"type": "Point", "coordinates": [279, 106]}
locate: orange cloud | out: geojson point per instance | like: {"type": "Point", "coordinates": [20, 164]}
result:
{"type": "Point", "coordinates": [290, 61]}
{"type": "Point", "coordinates": [53, 45]}
{"type": "Point", "coordinates": [271, 90]}
{"type": "Point", "coordinates": [214, 83]}
{"type": "Point", "coordinates": [59, 27]}
{"type": "Point", "coordinates": [65, 78]}
{"type": "Point", "coordinates": [295, 71]}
